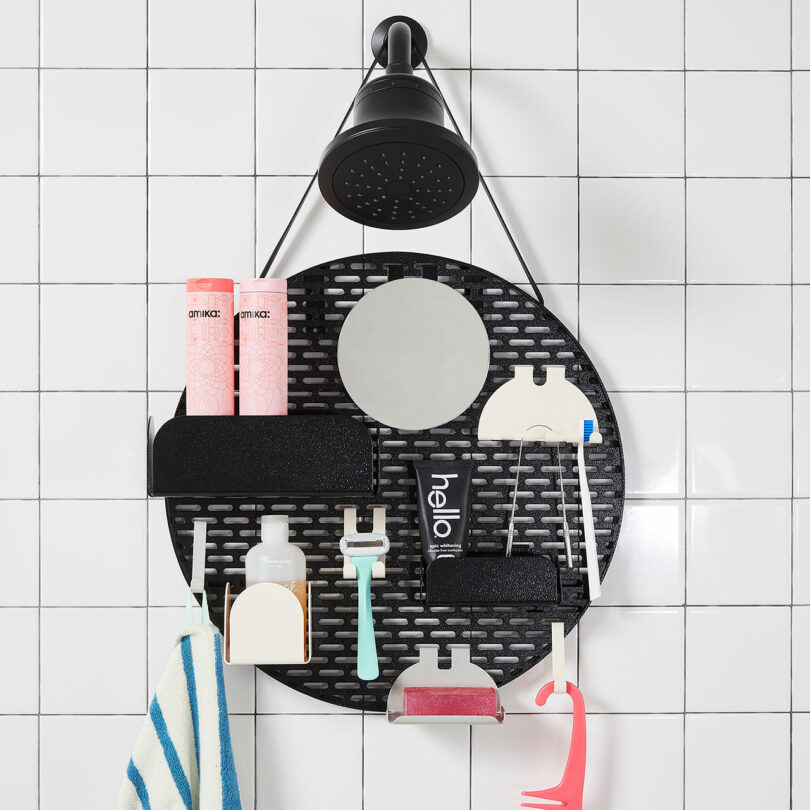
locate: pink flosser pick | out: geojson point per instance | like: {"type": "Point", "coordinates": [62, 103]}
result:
{"type": "Point", "coordinates": [568, 793]}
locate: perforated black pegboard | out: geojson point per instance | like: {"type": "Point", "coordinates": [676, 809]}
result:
{"type": "Point", "coordinates": [506, 641]}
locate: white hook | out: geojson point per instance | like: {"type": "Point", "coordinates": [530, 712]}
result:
{"type": "Point", "coordinates": [197, 584]}
{"type": "Point", "coordinates": [350, 520]}
{"type": "Point", "coordinates": [558, 658]}
{"type": "Point", "coordinates": [198, 553]}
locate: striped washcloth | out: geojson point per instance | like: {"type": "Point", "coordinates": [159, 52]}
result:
{"type": "Point", "coordinates": [183, 758]}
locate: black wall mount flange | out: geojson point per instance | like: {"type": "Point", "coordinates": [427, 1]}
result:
{"type": "Point", "coordinates": [419, 40]}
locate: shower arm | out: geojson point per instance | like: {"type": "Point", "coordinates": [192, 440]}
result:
{"type": "Point", "coordinates": [400, 46]}
{"type": "Point", "coordinates": [398, 41]}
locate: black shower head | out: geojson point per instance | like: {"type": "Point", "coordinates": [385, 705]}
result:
{"type": "Point", "coordinates": [398, 167]}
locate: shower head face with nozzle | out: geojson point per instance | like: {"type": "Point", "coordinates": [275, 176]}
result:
{"type": "Point", "coordinates": [398, 174]}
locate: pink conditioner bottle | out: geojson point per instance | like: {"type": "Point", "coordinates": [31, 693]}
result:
{"type": "Point", "coordinates": [263, 346]}
{"type": "Point", "coordinates": [209, 347]}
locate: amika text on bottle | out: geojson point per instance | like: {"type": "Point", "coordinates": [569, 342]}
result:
{"type": "Point", "coordinates": [263, 346]}
{"type": "Point", "coordinates": [209, 347]}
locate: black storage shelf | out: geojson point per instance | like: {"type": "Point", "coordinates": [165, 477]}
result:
{"type": "Point", "coordinates": [529, 579]}
{"type": "Point", "coordinates": [261, 455]}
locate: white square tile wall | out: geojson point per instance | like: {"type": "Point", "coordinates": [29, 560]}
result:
{"type": "Point", "coordinates": [92, 229]}
{"type": "Point", "coordinates": [653, 162]}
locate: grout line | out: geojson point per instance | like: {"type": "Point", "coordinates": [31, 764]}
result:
{"type": "Point", "coordinates": [471, 761]}
{"type": "Point", "coordinates": [662, 391]}
{"type": "Point", "coordinates": [255, 270]}
{"type": "Point", "coordinates": [543, 713]}
{"type": "Point", "coordinates": [487, 176]}
{"type": "Point", "coordinates": [146, 372]}
{"type": "Point", "coordinates": [39, 406]}
{"type": "Point", "coordinates": [685, 416]}
{"type": "Point", "coordinates": [254, 273]}
{"type": "Point", "coordinates": [792, 427]}
{"type": "Point", "coordinates": [595, 607]}
{"type": "Point", "coordinates": [517, 283]}
{"type": "Point", "coordinates": [577, 326]}
{"type": "Point", "coordinates": [364, 66]}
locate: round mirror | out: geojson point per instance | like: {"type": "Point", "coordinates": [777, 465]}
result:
{"type": "Point", "coordinates": [413, 354]}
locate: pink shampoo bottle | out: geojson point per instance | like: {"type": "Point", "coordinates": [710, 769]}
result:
{"type": "Point", "coordinates": [209, 347]}
{"type": "Point", "coordinates": [263, 346]}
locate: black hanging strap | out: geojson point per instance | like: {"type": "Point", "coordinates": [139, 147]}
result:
{"type": "Point", "coordinates": [485, 186]}
{"type": "Point", "coordinates": [311, 183]}
{"type": "Point", "coordinates": [277, 248]}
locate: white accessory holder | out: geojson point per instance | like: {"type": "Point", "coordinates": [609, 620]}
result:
{"type": "Point", "coordinates": [462, 674]}
{"type": "Point", "coordinates": [350, 528]}
{"type": "Point", "coordinates": [265, 625]}
{"type": "Point", "coordinates": [517, 408]}
{"type": "Point", "coordinates": [558, 658]}
{"type": "Point", "coordinates": [197, 584]}
{"type": "Point", "coordinates": [554, 412]}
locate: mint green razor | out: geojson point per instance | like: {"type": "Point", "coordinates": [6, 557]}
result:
{"type": "Point", "coordinates": [362, 551]}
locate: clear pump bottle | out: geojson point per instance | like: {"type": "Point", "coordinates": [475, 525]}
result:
{"type": "Point", "coordinates": [277, 560]}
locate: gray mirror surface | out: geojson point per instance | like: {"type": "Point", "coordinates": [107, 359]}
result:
{"type": "Point", "coordinates": [413, 354]}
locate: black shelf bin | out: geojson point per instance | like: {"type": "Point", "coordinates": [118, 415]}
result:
{"type": "Point", "coordinates": [261, 455]}
{"type": "Point", "coordinates": [482, 581]}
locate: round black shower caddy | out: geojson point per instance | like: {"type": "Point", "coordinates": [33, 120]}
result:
{"type": "Point", "coordinates": [506, 641]}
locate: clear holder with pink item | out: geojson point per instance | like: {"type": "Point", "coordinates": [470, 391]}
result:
{"type": "Point", "coordinates": [461, 693]}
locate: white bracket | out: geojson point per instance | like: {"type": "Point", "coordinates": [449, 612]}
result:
{"type": "Point", "coordinates": [350, 527]}
{"type": "Point", "coordinates": [556, 411]}
{"type": "Point", "coordinates": [265, 624]}
{"type": "Point", "coordinates": [461, 676]}
{"type": "Point", "coordinates": [197, 584]}
{"type": "Point", "coordinates": [558, 658]}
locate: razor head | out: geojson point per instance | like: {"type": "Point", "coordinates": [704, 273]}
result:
{"type": "Point", "coordinates": [367, 544]}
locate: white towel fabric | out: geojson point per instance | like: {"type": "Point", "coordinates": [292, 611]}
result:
{"type": "Point", "coordinates": [183, 758]}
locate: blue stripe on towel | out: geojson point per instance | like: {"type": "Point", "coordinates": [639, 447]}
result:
{"type": "Point", "coordinates": [137, 782]}
{"type": "Point", "coordinates": [230, 787]}
{"type": "Point", "coordinates": [191, 685]}
{"type": "Point", "coordinates": [170, 752]}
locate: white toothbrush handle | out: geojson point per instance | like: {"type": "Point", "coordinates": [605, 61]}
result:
{"type": "Point", "coordinates": [591, 557]}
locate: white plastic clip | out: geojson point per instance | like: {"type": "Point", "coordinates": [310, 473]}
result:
{"type": "Point", "coordinates": [350, 527]}
{"type": "Point", "coordinates": [558, 658]}
{"type": "Point", "coordinates": [378, 520]}
{"type": "Point", "coordinates": [197, 584]}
